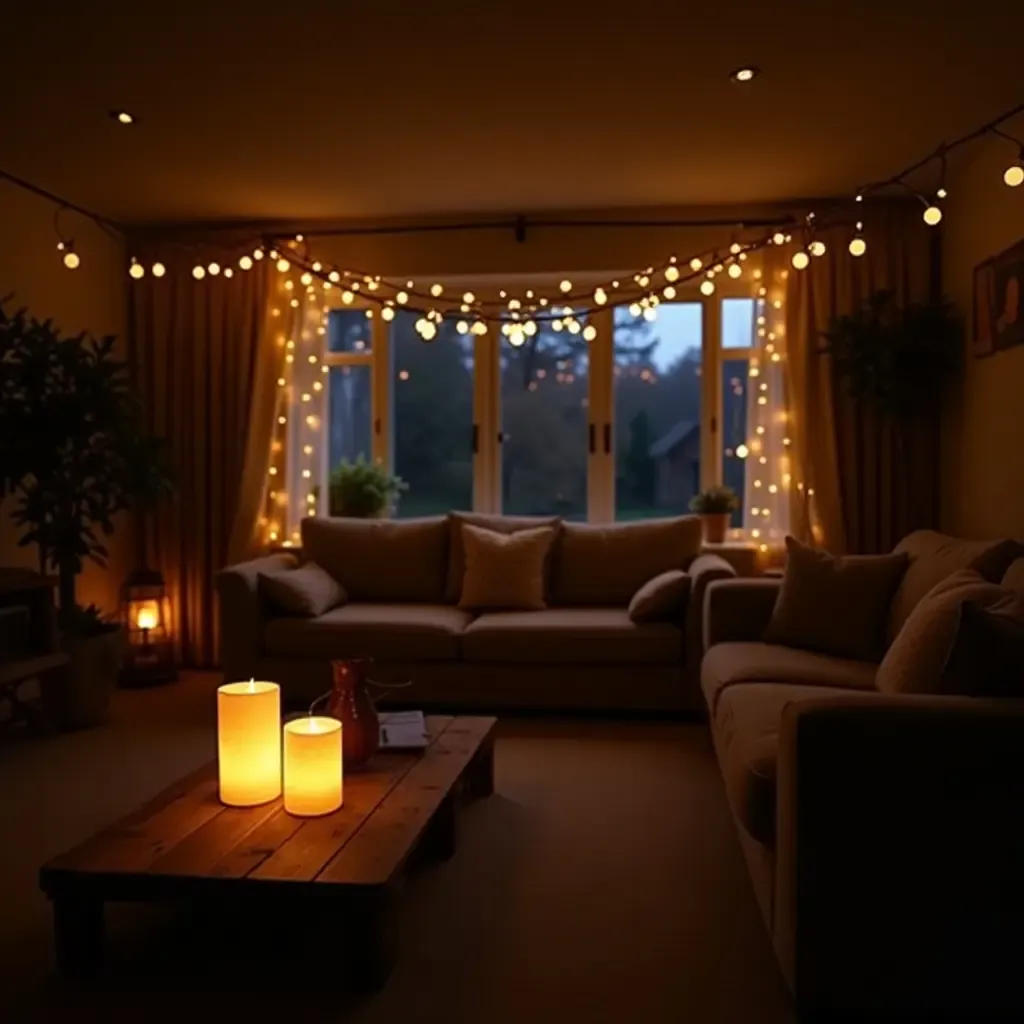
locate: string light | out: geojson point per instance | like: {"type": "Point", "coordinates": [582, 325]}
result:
{"type": "Point", "coordinates": [707, 287]}
{"type": "Point", "coordinates": [199, 272]}
{"type": "Point", "coordinates": [159, 270]}
{"type": "Point", "coordinates": [800, 259]}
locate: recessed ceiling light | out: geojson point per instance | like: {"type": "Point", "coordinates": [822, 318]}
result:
{"type": "Point", "coordinates": [744, 74]}
{"type": "Point", "coordinates": [122, 117]}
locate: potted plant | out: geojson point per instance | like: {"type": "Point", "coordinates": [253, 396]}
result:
{"type": "Point", "coordinates": [363, 490]}
{"type": "Point", "coordinates": [73, 454]}
{"type": "Point", "coordinates": [715, 507]}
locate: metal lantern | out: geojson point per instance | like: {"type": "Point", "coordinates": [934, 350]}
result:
{"type": "Point", "coordinates": [145, 613]}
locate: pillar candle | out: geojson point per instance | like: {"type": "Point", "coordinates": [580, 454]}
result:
{"type": "Point", "coordinates": [249, 743]}
{"type": "Point", "coordinates": [312, 766]}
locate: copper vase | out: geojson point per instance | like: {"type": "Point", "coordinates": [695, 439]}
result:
{"type": "Point", "coordinates": [350, 702]}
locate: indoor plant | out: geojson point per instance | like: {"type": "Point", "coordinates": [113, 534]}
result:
{"type": "Point", "coordinates": [73, 454]}
{"type": "Point", "coordinates": [715, 506]}
{"type": "Point", "coordinates": [362, 489]}
{"type": "Point", "coordinates": [896, 359]}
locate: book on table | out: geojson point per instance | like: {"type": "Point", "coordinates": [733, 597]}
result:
{"type": "Point", "coordinates": [402, 730]}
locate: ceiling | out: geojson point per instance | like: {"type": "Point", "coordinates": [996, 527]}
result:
{"type": "Point", "coordinates": [333, 110]}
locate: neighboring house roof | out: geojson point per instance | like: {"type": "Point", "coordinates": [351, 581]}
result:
{"type": "Point", "coordinates": [672, 439]}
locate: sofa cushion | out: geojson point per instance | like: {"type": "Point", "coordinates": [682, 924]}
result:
{"type": "Point", "coordinates": [916, 661]}
{"type": "Point", "coordinates": [387, 632]}
{"type": "Point", "coordinates": [934, 556]}
{"type": "Point", "coordinates": [606, 565]}
{"type": "Point", "coordinates": [505, 570]}
{"type": "Point", "coordinates": [661, 599]}
{"type": "Point", "coordinates": [581, 635]}
{"type": "Point", "coordinates": [308, 590]}
{"type": "Point", "coordinates": [381, 559]}
{"type": "Point", "coordinates": [499, 524]}
{"type": "Point", "coordinates": [835, 605]}
{"type": "Point", "coordinates": [745, 730]}
{"type": "Point", "coordinates": [987, 655]}
{"type": "Point", "coordinates": [730, 663]}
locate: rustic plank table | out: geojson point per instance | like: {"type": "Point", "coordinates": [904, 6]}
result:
{"type": "Point", "coordinates": [185, 846]}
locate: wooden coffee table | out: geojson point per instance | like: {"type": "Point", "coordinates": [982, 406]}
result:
{"type": "Point", "coordinates": [185, 846]}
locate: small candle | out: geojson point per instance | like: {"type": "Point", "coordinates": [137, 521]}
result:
{"type": "Point", "coordinates": [312, 766]}
{"type": "Point", "coordinates": [249, 743]}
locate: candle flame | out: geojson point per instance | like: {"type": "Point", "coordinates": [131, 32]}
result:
{"type": "Point", "coordinates": [252, 685]}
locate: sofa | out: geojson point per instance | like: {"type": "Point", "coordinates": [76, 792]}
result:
{"type": "Point", "coordinates": [403, 580]}
{"type": "Point", "coordinates": [884, 834]}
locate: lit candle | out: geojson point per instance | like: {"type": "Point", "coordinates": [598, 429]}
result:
{"type": "Point", "coordinates": [249, 742]}
{"type": "Point", "coordinates": [312, 766]}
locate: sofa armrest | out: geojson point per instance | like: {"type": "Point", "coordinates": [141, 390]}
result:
{"type": "Point", "coordinates": [704, 570]}
{"type": "Point", "coordinates": [899, 845]}
{"type": "Point", "coordinates": [738, 610]}
{"type": "Point", "coordinates": [242, 615]}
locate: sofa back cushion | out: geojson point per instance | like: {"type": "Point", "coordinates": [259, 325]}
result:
{"type": "Point", "coordinates": [381, 559]}
{"type": "Point", "coordinates": [606, 565]}
{"type": "Point", "coordinates": [934, 556]}
{"type": "Point", "coordinates": [497, 524]}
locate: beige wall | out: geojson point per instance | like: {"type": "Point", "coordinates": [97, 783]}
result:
{"type": "Point", "coordinates": [92, 298]}
{"type": "Point", "coordinates": [983, 485]}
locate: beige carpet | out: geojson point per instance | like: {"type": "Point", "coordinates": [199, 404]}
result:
{"type": "Point", "coordinates": [601, 882]}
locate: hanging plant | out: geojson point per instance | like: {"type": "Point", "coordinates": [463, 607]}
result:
{"type": "Point", "coordinates": [896, 359]}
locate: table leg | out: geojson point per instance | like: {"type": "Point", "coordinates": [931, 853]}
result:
{"type": "Point", "coordinates": [373, 940]}
{"type": "Point", "coordinates": [480, 772]}
{"type": "Point", "coordinates": [439, 837]}
{"type": "Point", "coordinates": [78, 934]}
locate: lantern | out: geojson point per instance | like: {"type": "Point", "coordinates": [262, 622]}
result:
{"type": "Point", "coordinates": [145, 614]}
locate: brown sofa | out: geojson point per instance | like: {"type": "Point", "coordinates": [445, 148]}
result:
{"type": "Point", "coordinates": [403, 578]}
{"type": "Point", "coordinates": [884, 835]}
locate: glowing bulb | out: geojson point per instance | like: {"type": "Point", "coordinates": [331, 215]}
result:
{"type": "Point", "coordinates": [436, 290]}
{"type": "Point", "coordinates": [695, 264]}
{"type": "Point", "coordinates": [635, 309]}
{"type": "Point", "coordinates": [136, 270]}
{"type": "Point", "coordinates": [707, 287]}
{"type": "Point", "coordinates": [214, 269]}
{"type": "Point", "coordinates": [589, 332]}
{"type": "Point", "coordinates": [387, 313]}
{"type": "Point", "coordinates": [742, 451]}
{"type": "Point", "coordinates": [245, 263]}
{"type": "Point", "coordinates": [672, 273]}
{"type": "Point", "coordinates": [334, 277]}
{"type": "Point", "coordinates": [735, 270]}
{"type": "Point", "coordinates": [71, 260]}
{"type": "Point", "coordinates": [858, 246]}
{"type": "Point", "coordinates": [565, 287]}
{"type": "Point", "coordinates": [462, 327]}
{"type": "Point", "coordinates": [1014, 174]}
{"type": "Point", "coordinates": [932, 215]}
{"type": "Point", "coordinates": [402, 298]}
{"type": "Point", "coordinates": [800, 259]}
{"type": "Point", "coordinates": [650, 314]}
{"type": "Point", "coordinates": [779, 238]}
{"type": "Point", "coordinates": [123, 117]}
{"type": "Point", "coordinates": [307, 278]}
{"type": "Point", "coordinates": [228, 272]}
{"type": "Point", "coordinates": [817, 248]}
{"type": "Point", "coordinates": [347, 297]}
{"type": "Point", "coordinates": [257, 254]}
{"type": "Point", "coordinates": [198, 272]}
{"type": "Point", "coordinates": [428, 331]}
{"type": "Point", "coordinates": [469, 298]}
{"type": "Point", "coordinates": [159, 270]}
{"type": "Point", "coordinates": [669, 292]}
{"type": "Point", "coordinates": [600, 296]}
{"type": "Point", "coordinates": [735, 248]}
{"type": "Point", "coordinates": [283, 265]}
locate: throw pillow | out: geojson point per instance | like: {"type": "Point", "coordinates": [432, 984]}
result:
{"type": "Point", "coordinates": [504, 570]}
{"type": "Point", "coordinates": [835, 605]}
{"type": "Point", "coordinates": [918, 656]}
{"type": "Point", "coordinates": [662, 598]}
{"type": "Point", "coordinates": [308, 590]}
{"type": "Point", "coordinates": [987, 656]}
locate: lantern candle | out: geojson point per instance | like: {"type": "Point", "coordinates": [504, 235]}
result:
{"type": "Point", "coordinates": [312, 766]}
{"type": "Point", "coordinates": [249, 743]}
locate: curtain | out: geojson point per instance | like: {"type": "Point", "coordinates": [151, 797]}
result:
{"type": "Point", "coordinates": [768, 481]}
{"type": "Point", "coordinates": [859, 485]}
{"type": "Point", "coordinates": [204, 360]}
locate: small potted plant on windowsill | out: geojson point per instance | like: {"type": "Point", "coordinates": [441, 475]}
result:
{"type": "Point", "coordinates": [715, 506]}
{"type": "Point", "coordinates": [363, 490]}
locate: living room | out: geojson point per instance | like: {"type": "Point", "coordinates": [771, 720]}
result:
{"type": "Point", "coordinates": [637, 396]}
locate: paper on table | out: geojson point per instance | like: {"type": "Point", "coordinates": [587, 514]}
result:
{"type": "Point", "coordinates": [403, 730]}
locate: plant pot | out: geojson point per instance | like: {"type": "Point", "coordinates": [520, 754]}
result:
{"type": "Point", "coordinates": [80, 698]}
{"type": "Point", "coordinates": [715, 526]}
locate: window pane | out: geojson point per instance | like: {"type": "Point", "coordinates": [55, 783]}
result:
{"type": "Point", "coordinates": [657, 410]}
{"type": "Point", "coordinates": [432, 417]}
{"type": "Point", "coordinates": [349, 413]}
{"type": "Point", "coordinates": [734, 430]}
{"type": "Point", "coordinates": [348, 330]}
{"type": "Point", "coordinates": [544, 421]}
{"type": "Point", "coordinates": [737, 323]}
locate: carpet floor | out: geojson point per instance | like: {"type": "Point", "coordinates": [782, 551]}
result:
{"type": "Point", "coordinates": [601, 882]}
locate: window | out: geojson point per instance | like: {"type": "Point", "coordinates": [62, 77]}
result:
{"type": "Point", "coordinates": [627, 424]}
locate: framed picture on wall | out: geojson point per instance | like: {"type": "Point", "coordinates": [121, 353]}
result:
{"type": "Point", "coordinates": [999, 302]}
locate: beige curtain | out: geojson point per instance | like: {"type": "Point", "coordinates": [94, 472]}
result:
{"type": "Point", "coordinates": [859, 485]}
{"type": "Point", "coordinates": [204, 357]}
